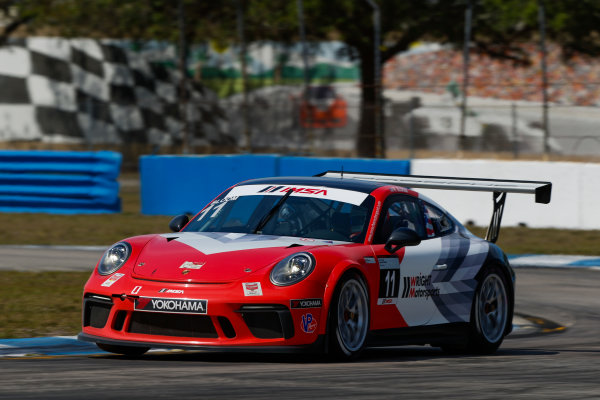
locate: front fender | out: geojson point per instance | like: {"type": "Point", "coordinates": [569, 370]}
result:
{"type": "Point", "coordinates": [341, 268]}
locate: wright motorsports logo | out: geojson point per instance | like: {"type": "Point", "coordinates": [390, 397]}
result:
{"type": "Point", "coordinates": [419, 287]}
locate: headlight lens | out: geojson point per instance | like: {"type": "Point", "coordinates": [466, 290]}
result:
{"type": "Point", "coordinates": [114, 258]}
{"type": "Point", "coordinates": [292, 269]}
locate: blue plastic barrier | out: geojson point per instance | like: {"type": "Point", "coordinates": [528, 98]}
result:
{"type": "Point", "coordinates": [59, 182]}
{"type": "Point", "coordinates": [185, 184]}
{"type": "Point", "coordinates": [172, 185]}
{"type": "Point", "coordinates": [101, 163]}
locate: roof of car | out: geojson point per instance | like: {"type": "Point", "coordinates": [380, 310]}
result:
{"type": "Point", "coordinates": [348, 184]}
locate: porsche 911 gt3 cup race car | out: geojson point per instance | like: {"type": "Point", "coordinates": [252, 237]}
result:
{"type": "Point", "coordinates": [330, 263]}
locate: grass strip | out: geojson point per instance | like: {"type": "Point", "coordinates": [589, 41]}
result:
{"type": "Point", "coordinates": [40, 303]}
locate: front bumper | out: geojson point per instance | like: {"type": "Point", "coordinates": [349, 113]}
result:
{"type": "Point", "coordinates": [229, 318]}
{"type": "Point", "coordinates": [316, 347]}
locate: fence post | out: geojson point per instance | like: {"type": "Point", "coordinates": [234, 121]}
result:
{"type": "Point", "coordinates": [514, 130]}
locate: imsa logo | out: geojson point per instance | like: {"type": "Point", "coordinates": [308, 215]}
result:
{"type": "Point", "coordinates": [300, 190]}
{"type": "Point", "coordinates": [178, 306]}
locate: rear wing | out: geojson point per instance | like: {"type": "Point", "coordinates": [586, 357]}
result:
{"type": "Point", "coordinates": [499, 188]}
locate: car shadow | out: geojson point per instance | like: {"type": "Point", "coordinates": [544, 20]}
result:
{"type": "Point", "coordinates": [370, 355]}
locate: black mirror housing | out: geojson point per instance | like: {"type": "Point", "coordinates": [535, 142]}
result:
{"type": "Point", "coordinates": [179, 222]}
{"type": "Point", "coordinates": [402, 237]}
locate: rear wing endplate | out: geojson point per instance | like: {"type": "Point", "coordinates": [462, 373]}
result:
{"type": "Point", "coordinates": [499, 188]}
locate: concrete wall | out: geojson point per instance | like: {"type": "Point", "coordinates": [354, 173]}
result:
{"type": "Point", "coordinates": [575, 192]}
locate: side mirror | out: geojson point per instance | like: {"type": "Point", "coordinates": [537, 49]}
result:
{"type": "Point", "coordinates": [402, 237]}
{"type": "Point", "coordinates": [178, 222]}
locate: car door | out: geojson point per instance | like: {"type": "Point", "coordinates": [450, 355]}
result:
{"type": "Point", "coordinates": [406, 276]}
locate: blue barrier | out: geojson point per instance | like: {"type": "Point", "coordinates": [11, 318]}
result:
{"type": "Point", "coordinates": [101, 163]}
{"type": "Point", "coordinates": [59, 182]}
{"type": "Point", "coordinates": [173, 185]}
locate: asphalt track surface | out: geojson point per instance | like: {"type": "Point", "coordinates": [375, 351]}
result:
{"type": "Point", "coordinates": [563, 362]}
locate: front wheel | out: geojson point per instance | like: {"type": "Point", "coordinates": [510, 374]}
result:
{"type": "Point", "coordinates": [349, 317]}
{"type": "Point", "coordinates": [131, 351]}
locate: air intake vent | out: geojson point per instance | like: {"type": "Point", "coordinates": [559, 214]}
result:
{"type": "Point", "coordinates": [178, 325]}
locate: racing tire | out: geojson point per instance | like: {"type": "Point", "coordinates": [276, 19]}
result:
{"type": "Point", "coordinates": [131, 351]}
{"type": "Point", "coordinates": [349, 318]}
{"type": "Point", "coordinates": [489, 315]}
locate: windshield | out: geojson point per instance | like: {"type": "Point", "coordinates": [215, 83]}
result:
{"type": "Point", "coordinates": [297, 216]}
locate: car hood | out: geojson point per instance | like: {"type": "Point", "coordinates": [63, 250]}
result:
{"type": "Point", "coordinates": [215, 257]}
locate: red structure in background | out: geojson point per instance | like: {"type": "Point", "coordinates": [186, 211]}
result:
{"type": "Point", "coordinates": [322, 107]}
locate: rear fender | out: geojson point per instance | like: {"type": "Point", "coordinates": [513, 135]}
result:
{"type": "Point", "coordinates": [496, 257]}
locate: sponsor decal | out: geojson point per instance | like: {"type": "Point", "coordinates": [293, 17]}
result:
{"type": "Point", "coordinates": [225, 199]}
{"type": "Point", "coordinates": [180, 306]}
{"type": "Point", "coordinates": [309, 323]}
{"type": "Point", "coordinates": [166, 290]}
{"type": "Point", "coordinates": [301, 190]}
{"type": "Point", "coordinates": [374, 220]}
{"type": "Point", "coordinates": [109, 282]}
{"type": "Point", "coordinates": [306, 303]}
{"type": "Point", "coordinates": [370, 260]}
{"type": "Point", "coordinates": [385, 302]}
{"type": "Point", "coordinates": [252, 289]}
{"type": "Point", "coordinates": [345, 195]}
{"type": "Point", "coordinates": [418, 287]}
{"type": "Point", "coordinates": [399, 189]}
{"type": "Point", "coordinates": [136, 290]}
{"type": "Point", "coordinates": [192, 265]}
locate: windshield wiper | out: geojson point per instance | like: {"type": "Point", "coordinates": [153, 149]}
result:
{"type": "Point", "coordinates": [271, 212]}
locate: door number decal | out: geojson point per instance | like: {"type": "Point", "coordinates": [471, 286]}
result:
{"type": "Point", "coordinates": [389, 280]}
{"type": "Point", "coordinates": [389, 283]}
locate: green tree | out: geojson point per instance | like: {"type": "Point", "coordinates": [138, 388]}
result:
{"type": "Point", "coordinates": [498, 26]}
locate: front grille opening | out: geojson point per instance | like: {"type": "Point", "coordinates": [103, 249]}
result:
{"type": "Point", "coordinates": [178, 325]}
{"type": "Point", "coordinates": [95, 313]}
{"type": "Point", "coordinates": [119, 320]}
{"type": "Point", "coordinates": [227, 327]}
{"type": "Point", "coordinates": [269, 324]}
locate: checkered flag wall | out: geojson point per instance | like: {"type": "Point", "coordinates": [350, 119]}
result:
{"type": "Point", "coordinates": [88, 91]}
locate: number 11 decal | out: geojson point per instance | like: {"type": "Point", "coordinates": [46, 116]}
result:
{"type": "Point", "coordinates": [389, 280]}
{"type": "Point", "coordinates": [389, 283]}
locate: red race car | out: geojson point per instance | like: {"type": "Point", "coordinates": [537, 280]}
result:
{"type": "Point", "coordinates": [329, 263]}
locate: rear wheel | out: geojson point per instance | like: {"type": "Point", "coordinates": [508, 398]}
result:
{"type": "Point", "coordinates": [489, 315]}
{"type": "Point", "coordinates": [349, 317]}
{"type": "Point", "coordinates": [132, 351]}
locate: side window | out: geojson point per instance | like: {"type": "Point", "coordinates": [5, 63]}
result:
{"type": "Point", "coordinates": [399, 212]}
{"type": "Point", "coordinates": [440, 222]}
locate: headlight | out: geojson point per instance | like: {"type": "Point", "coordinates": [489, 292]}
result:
{"type": "Point", "coordinates": [292, 269]}
{"type": "Point", "coordinates": [114, 258]}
